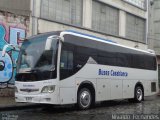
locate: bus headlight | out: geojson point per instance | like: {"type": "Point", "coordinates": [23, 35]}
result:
{"type": "Point", "coordinates": [48, 89]}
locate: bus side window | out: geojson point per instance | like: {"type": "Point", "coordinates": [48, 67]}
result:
{"type": "Point", "coordinates": [70, 60]}
{"type": "Point", "coordinates": [66, 60]}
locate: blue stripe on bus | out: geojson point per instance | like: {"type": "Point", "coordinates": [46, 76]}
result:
{"type": "Point", "coordinates": [90, 36]}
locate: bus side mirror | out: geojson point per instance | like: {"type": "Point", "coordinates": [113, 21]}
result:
{"type": "Point", "coordinates": [48, 45]}
{"type": "Point", "coordinates": [49, 41]}
{"type": "Point", "coordinates": [61, 38]}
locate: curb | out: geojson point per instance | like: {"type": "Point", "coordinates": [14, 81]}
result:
{"type": "Point", "coordinates": [19, 107]}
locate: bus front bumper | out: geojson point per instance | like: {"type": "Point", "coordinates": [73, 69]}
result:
{"type": "Point", "coordinates": [40, 98]}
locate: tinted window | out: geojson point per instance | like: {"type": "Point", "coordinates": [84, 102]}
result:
{"type": "Point", "coordinates": [107, 58]}
{"type": "Point", "coordinates": [123, 60]}
{"type": "Point", "coordinates": [66, 60]}
{"type": "Point", "coordinates": [90, 51]}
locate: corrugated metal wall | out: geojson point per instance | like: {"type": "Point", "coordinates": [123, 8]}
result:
{"type": "Point", "coordinates": [20, 7]}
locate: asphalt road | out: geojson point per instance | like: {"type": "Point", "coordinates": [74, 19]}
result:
{"type": "Point", "coordinates": [115, 110]}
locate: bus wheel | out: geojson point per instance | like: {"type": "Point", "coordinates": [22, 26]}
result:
{"type": "Point", "coordinates": [138, 97]}
{"type": "Point", "coordinates": [84, 99]}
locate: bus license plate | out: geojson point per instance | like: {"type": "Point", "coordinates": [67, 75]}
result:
{"type": "Point", "coordinates": [28, 99]}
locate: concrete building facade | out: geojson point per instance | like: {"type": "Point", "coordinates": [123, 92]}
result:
{"type": "Point", "coordinates": [154, 29]}
{"type": "Point", "coordinates": [123, 21]}
{"type": "Point", "coordinates": [154, 26]}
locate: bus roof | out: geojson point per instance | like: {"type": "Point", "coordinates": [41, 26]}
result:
{"type": "Point", "coordinates": [92, 37]}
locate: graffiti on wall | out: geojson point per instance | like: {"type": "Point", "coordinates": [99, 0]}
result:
{"type": "Point", "coordinates": [12, 35]}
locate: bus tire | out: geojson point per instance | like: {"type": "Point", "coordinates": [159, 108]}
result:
{"type": "Point", "coordinates": [84, 99]}
{"type": "Point", "coordinates": [138, 94]}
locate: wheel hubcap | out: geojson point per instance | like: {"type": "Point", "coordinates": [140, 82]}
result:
{"type": "Point", "coordinates": [139, 94]}
{"type": "Point", "coordinates": [85, 99]}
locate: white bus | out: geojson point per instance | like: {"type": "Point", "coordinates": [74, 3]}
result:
{"type": "Point", "coordinates": [68, 67]}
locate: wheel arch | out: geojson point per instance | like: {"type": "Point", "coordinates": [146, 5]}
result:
{"type": "Point", "coordinates": [141, 85]}
{"type": "Point", "coordinates": [90, 86]}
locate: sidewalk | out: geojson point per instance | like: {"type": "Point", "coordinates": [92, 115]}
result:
{"type": "Point", "coordinates": [8, 103]}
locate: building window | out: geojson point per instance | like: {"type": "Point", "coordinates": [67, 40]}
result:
{"type": "Point", "coordinates": [105, 18]}
{"type": "Point", "coordinates": [66, 11]}
{"type": "Point", "coordinates": [139, 3]}
{"type": "Point", "coordinates": [135, 28]}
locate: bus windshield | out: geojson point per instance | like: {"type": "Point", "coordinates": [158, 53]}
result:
{"type": "Point", "coordinates": [35, 62]}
